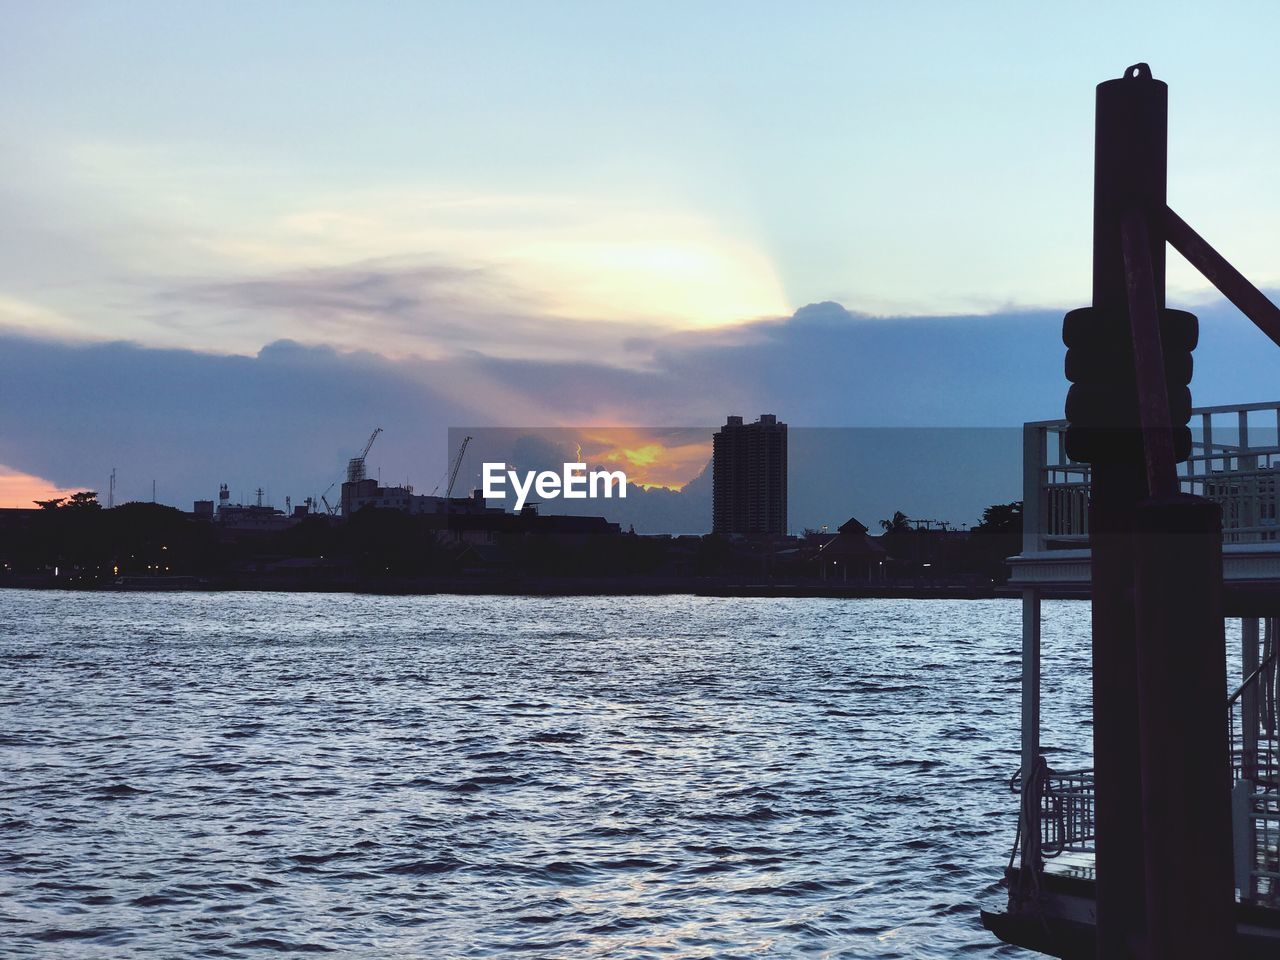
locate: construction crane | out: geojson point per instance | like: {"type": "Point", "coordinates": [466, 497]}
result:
{"type": "Point", "coordinates": [457, 465]}
{"type": "Point", "coordinates": [355, 466]}
{"type": "Point", "coordinates": [324, 498]}
{"type": "Point", "coordinates": [451, 471]}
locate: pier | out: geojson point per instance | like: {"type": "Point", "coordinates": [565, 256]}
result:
{"type": "Point", "coordinates": [1235, 464]}
{"type": "Point", "coordinates": [1165, 517]}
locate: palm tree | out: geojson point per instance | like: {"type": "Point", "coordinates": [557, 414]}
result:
{"type": "Point", "coordinates": [898, 523]}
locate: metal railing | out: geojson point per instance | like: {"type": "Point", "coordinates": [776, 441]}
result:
{"type": "Point", "coordinates": [1066, 813]}
{"type": "Point", "coordinates": [1255, 763]}
{"type": "Point", "coordinates": [1235, 462]}
{"type": "Point", "coordinates": [1264, 814]}
{"type": "Point", "coordinates": [1065, 800]}
{"type": "Point", "coordinates": [1066, 825]}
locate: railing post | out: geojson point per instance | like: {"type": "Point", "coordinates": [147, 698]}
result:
{"type": "Point", "coordinates": [1030, 807]}
{"type": "Point", "coordinates": [1249, 661]}
{"type": "Point", "coordinates": [1035, 451]}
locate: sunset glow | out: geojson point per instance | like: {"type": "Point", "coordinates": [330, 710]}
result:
{"type": "Point", "coordinates": [651, 458]}
{"type": "Point", "coordinates": [22, 489]}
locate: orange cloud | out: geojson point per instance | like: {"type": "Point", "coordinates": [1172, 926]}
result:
{"type": "Point", "coordinates": [651, 458]}
{"type": "Point", "coordinates": [19, 489]}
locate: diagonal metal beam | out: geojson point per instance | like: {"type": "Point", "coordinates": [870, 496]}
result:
{"type": "Point", "coordinates": [1232, 284]}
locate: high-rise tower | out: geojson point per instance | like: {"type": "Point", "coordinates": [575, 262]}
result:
{"type": "Point", "coordinates": [749, 477]}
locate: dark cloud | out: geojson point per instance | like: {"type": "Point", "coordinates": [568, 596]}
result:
{"type": "Point", "coordinates": [288, 418]}
{"type": "Point", "coordinates": [383, 297]}
{"type": "Point", "coordinates": [285, 419]}
{"type": "Point", "coordinates": [427, 307]}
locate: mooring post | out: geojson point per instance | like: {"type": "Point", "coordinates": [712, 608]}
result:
{"type": "Point", "coordinates": [1130, 156]}
{"type": "Point", "coordinates": [1186, 763]}
{"type": "Point", "coordinates": [1161, 757]}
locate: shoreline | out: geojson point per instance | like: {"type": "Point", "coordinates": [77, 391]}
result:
{"type": "Point", "coordinates": [546, 587]}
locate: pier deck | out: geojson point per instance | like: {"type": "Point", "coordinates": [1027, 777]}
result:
{"type": "Point", "coordinates": [1236, 463]}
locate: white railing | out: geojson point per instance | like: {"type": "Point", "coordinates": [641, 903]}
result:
{"type": "Point", "coordinates": [1235, 462]}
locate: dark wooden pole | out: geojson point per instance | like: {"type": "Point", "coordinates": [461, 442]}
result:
{"type": "Point", "coordinates": [1130, 153]}
{"type": "Point", "coordinates": [1148, 359]}
{"type": "Point", "coordinates": [1186, 763]}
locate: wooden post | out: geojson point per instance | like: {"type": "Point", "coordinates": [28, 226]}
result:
{"type": "Point", "coordinates": [1161, 753]}
{"type": "Point", "coordinates": [1186, 763]}
{"type": "Point", "coordinates": [1130, 150]}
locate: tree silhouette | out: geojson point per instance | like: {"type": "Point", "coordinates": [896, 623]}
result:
{"type": "Point", "coordinates": [1001, 518]}
{"type": "Point", "coordinates": [83, 500]}
{"type": "Point", "coordinates": [898, 523]}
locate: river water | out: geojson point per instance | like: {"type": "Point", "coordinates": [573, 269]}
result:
{"type": "Point", "coordinates": [245, 775]}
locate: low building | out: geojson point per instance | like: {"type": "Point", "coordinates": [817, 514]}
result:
{"type": "Point", "coordinates": [239, 518]}
{"type": "Point", "coordinates": [358, 494]}
{"type": "Point", "coordinates": [851, 555]}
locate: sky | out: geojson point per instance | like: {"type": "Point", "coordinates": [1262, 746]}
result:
{"type": "Point", "coordinates": [239, 236]}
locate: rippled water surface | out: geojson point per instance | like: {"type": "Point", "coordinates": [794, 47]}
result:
{"type": "Point", "coordinates": [242, 775]}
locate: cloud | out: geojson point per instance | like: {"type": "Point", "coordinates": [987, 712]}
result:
{"type": "Point", "coordinates": [285, 419]}
{"type": "Point", "coordinates": [19, 316]}
{"type": "Point", "coordinates": [19, 489]}
{"type": "Point", "coordinates": [171, 247]}
{"type": "Point", "coordinates": [288, 417]}
{"type": "Point", "coordinates": [398, 306]}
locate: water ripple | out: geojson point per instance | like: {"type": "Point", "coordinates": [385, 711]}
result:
{"type": "Point", "coordinates": [242, 775]}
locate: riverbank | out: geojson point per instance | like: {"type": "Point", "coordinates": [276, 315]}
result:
{"type": "Point", "coordinates": [527, 586]}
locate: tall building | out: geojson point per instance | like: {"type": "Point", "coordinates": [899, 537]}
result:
{"type": "Point", "coordinates": [749, 477]}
